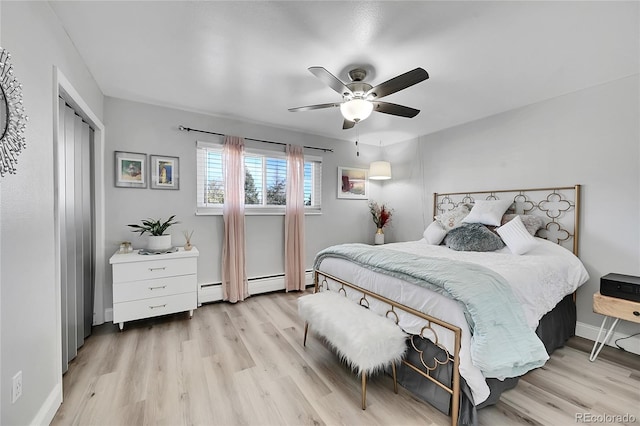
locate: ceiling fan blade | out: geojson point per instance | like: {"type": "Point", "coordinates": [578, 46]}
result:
{"type": "Point", "coordinates": [398, 83]}
{"type": "Point", "coordinates": [348, 124]}
{"type": "Point", "coordinates": [330, 80]}
{"type": "Point", "coordinates": [395, 109]}
{"type": "Point", "coordinates": [312, 107]}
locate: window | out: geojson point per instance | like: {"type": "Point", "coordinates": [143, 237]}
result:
{"type": "Point", "coordinates": [265, 181]}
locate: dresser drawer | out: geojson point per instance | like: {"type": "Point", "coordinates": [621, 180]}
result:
{"type": "Point", "coordinates": [137, 309]}
{"type": "Point", "coordinates": [152, 269]}
{"type": "Point", "coordinates": [135, 290]}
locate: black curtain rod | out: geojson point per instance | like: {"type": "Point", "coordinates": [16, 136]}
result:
{"type": "Point", "coordinates": [188, 129]}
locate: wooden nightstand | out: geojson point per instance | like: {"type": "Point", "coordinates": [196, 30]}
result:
{"type": "Point", "coordinates": [616, 309]}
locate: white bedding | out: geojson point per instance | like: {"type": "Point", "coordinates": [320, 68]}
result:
{"type": "Point", "coordinates": [540, 279]}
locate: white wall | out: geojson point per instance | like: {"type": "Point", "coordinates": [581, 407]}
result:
{"type": "Point", "coordinates": [590, 137]}
{"type": "Point", "coordinates": [28, 309]}
{"type": "Point", "coordinates": [30, 343]}
{"type": "Point", "coordinates": [152, 129]}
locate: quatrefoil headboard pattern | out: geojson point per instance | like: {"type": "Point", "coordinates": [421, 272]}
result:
{"type": "Point", "coordinates": [559, 207]}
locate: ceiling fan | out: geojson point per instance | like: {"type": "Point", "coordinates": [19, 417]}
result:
{"type": "Point", "coordinates": [359, 99]}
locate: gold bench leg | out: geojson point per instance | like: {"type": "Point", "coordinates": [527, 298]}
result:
{"type": "Point", "coordinates": [364, 385]}
{"type": "Point", "coordinates": [306, 328]}
{"type": "Point", "coordinates": [364, 390]}
{"type": "Point", "coordinates": [395, 381]}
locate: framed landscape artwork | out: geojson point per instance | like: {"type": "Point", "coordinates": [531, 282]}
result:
{"type": "Point", "coordinates": [130, 169]}
{"type": "Point", "coordinates": [353, 183]}
{"type": "Point", "coordinates": [165, 172]}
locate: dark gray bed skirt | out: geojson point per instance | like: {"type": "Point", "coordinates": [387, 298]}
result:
{"type": "Point", "coordinates": [554, 329]}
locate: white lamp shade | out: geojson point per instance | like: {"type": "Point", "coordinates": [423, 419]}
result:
{"type": "Point", "coordinates": [380, 170]}
{"type": "Point", "coordinates": [356, 109]}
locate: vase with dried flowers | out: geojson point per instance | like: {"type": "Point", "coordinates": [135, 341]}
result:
{"type": "Point", "coordinates": [381, 215]}
{"type": "Point", "coordinates": [187, 236]}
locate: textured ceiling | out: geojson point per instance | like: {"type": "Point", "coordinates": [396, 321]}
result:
{"type": "Point", "coordinates": [249, 60]}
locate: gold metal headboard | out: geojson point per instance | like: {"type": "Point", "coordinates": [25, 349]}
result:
{"type": "Point", "coordinates": [559, 207]}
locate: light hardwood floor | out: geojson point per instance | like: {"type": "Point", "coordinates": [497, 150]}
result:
{"type": "Point", "coordinates": [244, 364]}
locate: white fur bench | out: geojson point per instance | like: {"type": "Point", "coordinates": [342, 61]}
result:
{"type": "Point", "coordinates": [366, 341]}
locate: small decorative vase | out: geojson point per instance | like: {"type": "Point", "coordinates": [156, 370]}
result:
{"type": "Point", "coordinates": [125, 247]}
{"type": "Point", "coordinates": [187, 238]}
{"type": "Point", "coordinates": [379, 237]}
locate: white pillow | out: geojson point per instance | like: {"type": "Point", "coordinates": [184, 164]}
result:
{"type": "Point", "coordinates": [488, 212]}
{"type": "Point", "coordinates": [516, 236]}
{"type": "Point", "coordinates": [434, 234]}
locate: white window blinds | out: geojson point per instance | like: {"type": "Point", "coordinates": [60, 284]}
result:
{"type": "Point", "coordinates": [265, 181]}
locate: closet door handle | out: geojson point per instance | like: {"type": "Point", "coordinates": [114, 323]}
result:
{"type": "Point", "coordinates": [158, 269]}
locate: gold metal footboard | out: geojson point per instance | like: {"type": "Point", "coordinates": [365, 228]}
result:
{"type": "Point", "coordinates": [427, 366]}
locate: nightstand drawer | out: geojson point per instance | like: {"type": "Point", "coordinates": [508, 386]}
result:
{"type": "Point", "coordinates": [137, 309]}
{"type": "Point", "coordinates": [152, 269]}
{"type": "Point", "coordinates": [135, 290]}
{"type": "Point", "coordinates": [618, 308]}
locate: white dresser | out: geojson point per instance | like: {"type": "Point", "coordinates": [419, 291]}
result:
{"type": "Point", "coordinates": [151, 285]}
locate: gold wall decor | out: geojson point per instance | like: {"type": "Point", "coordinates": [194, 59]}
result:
{"type": "Point", "coordinates": [13, 120]}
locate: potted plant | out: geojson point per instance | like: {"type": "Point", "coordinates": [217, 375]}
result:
{"type": "Point", "coordinates": [158, 240]}
{"type": "Point", "coordinates": [381, 215]}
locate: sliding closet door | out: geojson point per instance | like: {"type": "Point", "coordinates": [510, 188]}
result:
{"type": "Point", "coordinates": [87, 227]}
{"type": "Point", "coordinates": [70, 250]}
{"type": "Point", "coordinates": [62, 228]}
{"type": "Point", "coordinates": [75, 219]}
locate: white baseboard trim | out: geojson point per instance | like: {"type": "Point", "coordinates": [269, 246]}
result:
{"type": "Point", "coordinates": [591, 332]}
{"type": "Point", "coordinates": [213, 292]}
{"type": "Point", "coordinates": [209, 293]}
{"type": "Point", "coordinates": [48, 410]}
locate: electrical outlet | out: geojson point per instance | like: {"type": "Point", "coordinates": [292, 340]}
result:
{"type": "Point", "coordinates": [16, 387]}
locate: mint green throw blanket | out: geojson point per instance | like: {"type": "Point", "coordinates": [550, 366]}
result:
{"type": "Point", "coordinates": [503, 345]}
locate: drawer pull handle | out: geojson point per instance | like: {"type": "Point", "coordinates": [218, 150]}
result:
{"type": "Point", "coordinates": [157, 288]}
{"type": "Point", "coordinates": [158, 269]}
{"type": "Point", "coordinates": [157, 306]}
{"type": "Point", "coordinates": [636, 313]}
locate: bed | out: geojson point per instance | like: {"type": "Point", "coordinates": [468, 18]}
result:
{"type": "Point", "coordinates": [478, 318]}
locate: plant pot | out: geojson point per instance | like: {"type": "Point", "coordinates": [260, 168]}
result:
{"type": "Point", "coordinates": [159, 242]}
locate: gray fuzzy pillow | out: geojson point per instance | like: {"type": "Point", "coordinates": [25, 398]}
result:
{"type": "Point", "coordinates": [473, 237]}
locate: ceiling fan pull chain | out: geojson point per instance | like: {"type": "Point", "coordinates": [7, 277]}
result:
{"type": "Point", "coordinates": [357, 147]}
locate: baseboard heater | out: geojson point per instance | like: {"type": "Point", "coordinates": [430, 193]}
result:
{"type": "Point", "coordinates": [212, 292]}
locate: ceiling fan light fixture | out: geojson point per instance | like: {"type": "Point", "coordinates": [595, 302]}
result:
{"type": "Point", "coordinates": [356, 110]}
{"type": "Point", "coordinates": [360, 98]}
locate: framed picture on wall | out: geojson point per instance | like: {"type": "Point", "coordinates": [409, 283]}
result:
{"type": "Point", "coordinates": [165, 172]}
{"type": "Point", "coordinates": [130, 169]}
{"type": "Point", "coordinates": [353, 183]}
